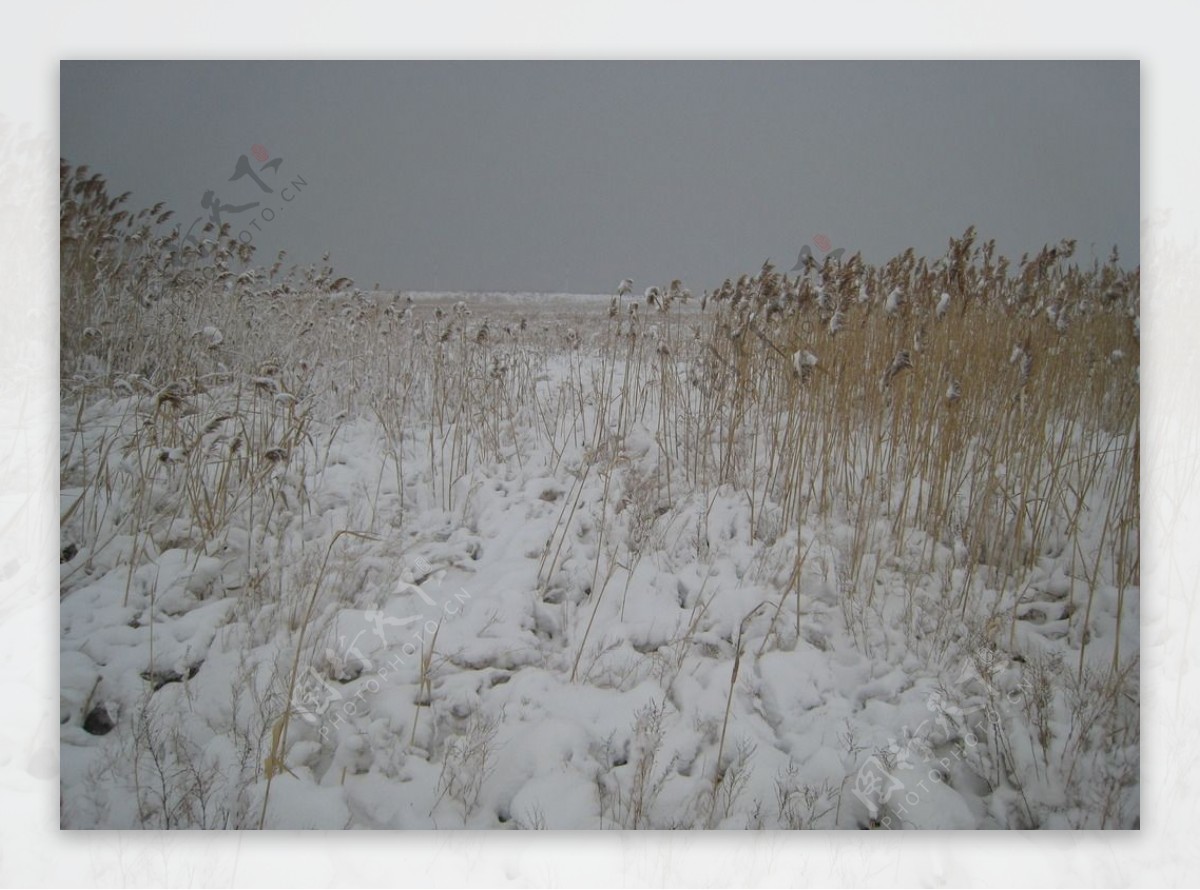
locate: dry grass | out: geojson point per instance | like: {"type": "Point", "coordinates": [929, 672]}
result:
{"type": "Point", "coordinates": [965, 417]}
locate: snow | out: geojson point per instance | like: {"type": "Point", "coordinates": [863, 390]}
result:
{"type": "Point", "coordinates": [469, 657]}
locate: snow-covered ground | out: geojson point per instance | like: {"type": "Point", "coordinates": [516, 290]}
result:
{"type": "Point", "coordinates": [394, 579]}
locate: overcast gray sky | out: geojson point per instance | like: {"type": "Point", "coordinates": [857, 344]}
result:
{"type": "Point", "coordinates": [568, 176]}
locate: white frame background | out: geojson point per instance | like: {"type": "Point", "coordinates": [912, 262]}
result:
{"type": "Point", "coordinates": [34, 852]}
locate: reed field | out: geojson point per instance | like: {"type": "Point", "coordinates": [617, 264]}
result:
{"type": "Point", "coordinates": [849, 546]}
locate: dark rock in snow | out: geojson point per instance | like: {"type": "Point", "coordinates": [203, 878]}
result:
{"type": "Point", "coordinates": [100, 720]}
{"type": "Point", "coordinates": [159, 679]}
